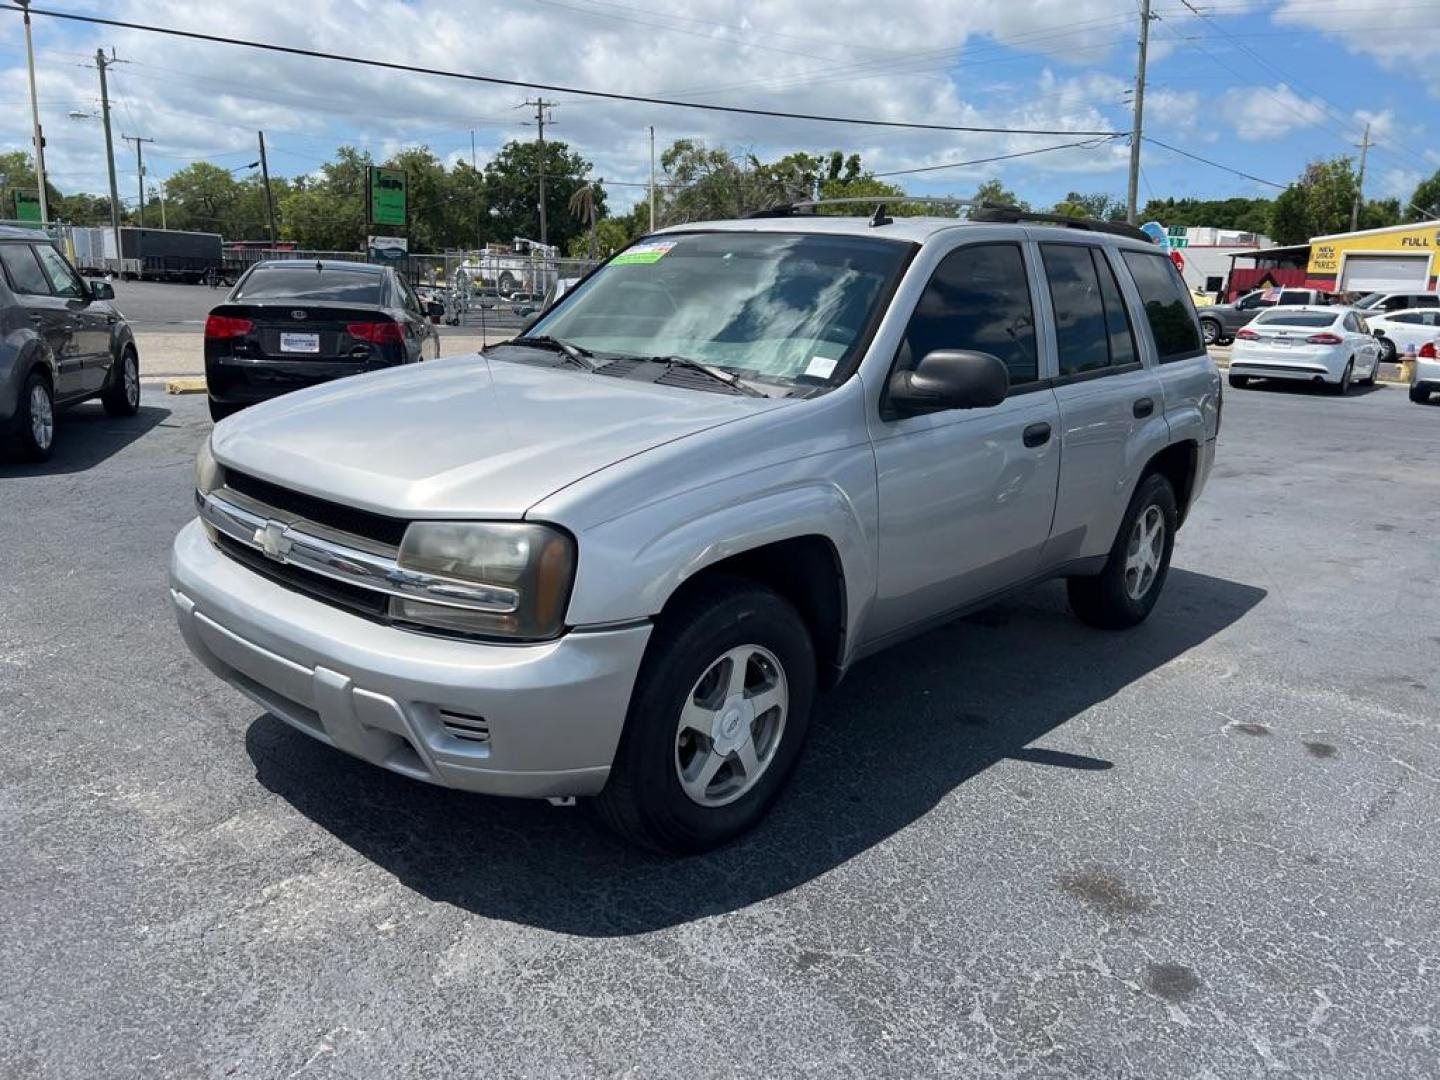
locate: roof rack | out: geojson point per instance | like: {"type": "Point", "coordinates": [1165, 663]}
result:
{"type": "Point", "coordinates": [979, 211]}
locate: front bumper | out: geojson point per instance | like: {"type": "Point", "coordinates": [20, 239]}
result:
{"type": "Point", "coordinates": [524, 720]}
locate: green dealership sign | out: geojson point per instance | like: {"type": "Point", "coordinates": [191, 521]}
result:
{"type": "Point", "coordinates": [27, 206]}
{"type": "Point", "coordinates": [386, 196]}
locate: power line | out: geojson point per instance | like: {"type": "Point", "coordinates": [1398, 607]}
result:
{"type": "Point", "coordinates": [1214, 164]}
{"type": "Point", "coordinates": [1086, 143]}
{"type": "Point", "coordinates": [315, 54]}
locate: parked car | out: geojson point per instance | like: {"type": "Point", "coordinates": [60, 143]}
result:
{"type": "Point", "coordinates": [289, 324]}
{"type": "Point", "coordinates": [1427, 373]}
{"type": "Point", "coordinates": [1400, 330]}
{"type": "Point", "coordinates": [1220, 322]}
{"type": "Point", "coordinates": [62, 342]}
{"type": "Point", "coordinates": [618, 557]}
{"type": "Point", "coordinates": [449, 313]}
{"type": "Point", "coordinates": [1378, 303]}
{"type": "Point", "coordinates": [1322, 345]}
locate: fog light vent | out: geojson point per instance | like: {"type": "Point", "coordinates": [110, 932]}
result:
{"type": "Point", "coordinates": [475, 729]}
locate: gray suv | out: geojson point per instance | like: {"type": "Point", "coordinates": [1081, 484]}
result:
{"type": "Point", "coordinates": [619, 557]}
{"type": "Point", "coordinates": [61, 342]}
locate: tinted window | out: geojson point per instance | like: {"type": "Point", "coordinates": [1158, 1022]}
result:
{"type": "Point", "coordinates": [1411, 317]}
{"type": "Point", "coordinates": [1296, 318]}
{"type": "Point", "coordinates": [1294, 296]}
{"type": "Point", "coordinates": [1168, 308]}
{"type": "Point", "coordinates": [1080, 331]}
{"type": "Point", "coordinates": [303, 282]}
{"type": "Point", "coordinates": [978, 299]}
{"type": "Point", "coordinates": [1351, 323]}
{"type": "Point", "coordinates": [1426, 301]}
{"type": "Point", "coordinates": [1431, 318]}
{"type": "Point", "coordinates": [63, 279]}
{"type": "Point", "coordinates": [22, 271]}
{"type": "Point", "coordinates": [1117, 319]}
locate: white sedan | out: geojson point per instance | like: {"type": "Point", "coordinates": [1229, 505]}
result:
{"type": "Point", "coordinates": [1327, 346]}
{"type": "Point", "coordinates": [1398, 330]}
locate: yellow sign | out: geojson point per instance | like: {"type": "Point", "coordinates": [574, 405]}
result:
{"type": "Point", "coordinates": [1326, 252]}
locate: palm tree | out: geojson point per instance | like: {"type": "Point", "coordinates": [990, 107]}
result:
{"type": "Point", "coordinates": [582, 209]}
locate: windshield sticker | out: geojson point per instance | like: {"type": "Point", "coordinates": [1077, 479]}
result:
{"type": "Point", "coordinates": [652, 252]}
{"type": "Point", "coordinates": [820, 367]}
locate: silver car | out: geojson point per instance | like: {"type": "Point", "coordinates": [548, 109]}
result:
{"type": "Point", "coordinates": [619, 557]}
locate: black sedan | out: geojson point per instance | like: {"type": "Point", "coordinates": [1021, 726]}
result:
{"type": "Point", "coordinates": [288, 324]}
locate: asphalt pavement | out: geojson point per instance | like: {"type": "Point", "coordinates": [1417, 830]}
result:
{"type": "Point", "coordinates": [1014, 847]}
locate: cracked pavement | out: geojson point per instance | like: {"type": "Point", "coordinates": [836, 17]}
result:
{"type": "Point", "coordinates": [1015, 847]}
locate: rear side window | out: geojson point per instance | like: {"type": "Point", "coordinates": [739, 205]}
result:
{"type": "Point", "coordinates": [1409, 317]}
{"type": "Point", "coordinates": [1295, 297]}
{"type": "Point", "coordinates": [978, 299]}
{"type": "Point", "coordinates": [1168, 307]}
{"type": "Point", "coordinates": [304, 282]}
{"type": "Point", "coordinates": [23, 271]}
{"type": "Point", "coordinates": [1092, 330]}
{"type": "Point", "coordinates": [1426, 301]}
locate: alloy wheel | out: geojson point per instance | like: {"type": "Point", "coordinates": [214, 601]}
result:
{"type": "Point", "coordinates": [1145, 552]}
{"type": "Point", "coordinates": [131, 375]}
{"type": "Point", "coordinates": [42, 417]}
{"type": "Point", "coordinates": [731, 725]}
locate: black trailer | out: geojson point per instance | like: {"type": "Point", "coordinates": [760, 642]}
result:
{"type": "Point", "coordinates": [170, 254]}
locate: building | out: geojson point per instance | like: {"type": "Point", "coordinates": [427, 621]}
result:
{"type": "Point", "coordinates": [1401, 258]}
{"type": "Point", "coordinates": [1209, 253]}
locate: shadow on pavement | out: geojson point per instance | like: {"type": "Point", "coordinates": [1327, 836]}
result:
{"type": "Point", "coordinates": [900, 733]}
{"type": "Point", "coordinates": [1305, 389]}
{"type": "Point", "coordinates": [84, 437]}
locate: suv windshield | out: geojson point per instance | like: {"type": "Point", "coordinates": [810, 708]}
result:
{"type": "Point", "coordinates": [304, 282]}
{"type": "Point", "coordinates": [774, 305]}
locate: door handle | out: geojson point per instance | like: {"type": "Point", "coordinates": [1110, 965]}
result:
{"type": "Point", "coordinates": [1143, 407]}
{"type": "Point", "coordinates": [1037, 434]}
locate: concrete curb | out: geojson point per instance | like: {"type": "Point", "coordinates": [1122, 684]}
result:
{"type": "Point", "coordinates": [185, 386]}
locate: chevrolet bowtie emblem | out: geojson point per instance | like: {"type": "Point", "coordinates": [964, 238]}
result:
{"type": "Point", "coordinates": [271, 539]}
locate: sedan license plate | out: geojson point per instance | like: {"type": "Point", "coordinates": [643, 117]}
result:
{"type": "Point", "coordinates": [1281, 341]}
{"type": "Point", "coordinates": [302, 343]}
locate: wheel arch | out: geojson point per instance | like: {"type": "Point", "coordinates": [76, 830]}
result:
{"type": "Point", "coordinates": [808, 572]}
{"type": "Point", "coordinates": [1179, 463]}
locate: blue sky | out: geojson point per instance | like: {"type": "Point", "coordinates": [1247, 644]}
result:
{"type": "Point", "coordinates": [1260, 88]}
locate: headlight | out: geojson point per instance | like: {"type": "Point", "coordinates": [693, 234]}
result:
{"type": "Point", "coordinates": [515, 576]}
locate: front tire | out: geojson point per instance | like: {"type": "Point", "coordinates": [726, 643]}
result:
{"type": "Point", "coordinates": [1211, 331]}
{"type": "Point", "coordinates": [122, 397]}
{"type": "Point", "coordinates": [1123, 594]}
{"type": "Point", "coordinates": [1388, 351]}
{"type": "Point", "coordinates": [716, 721]}
{"type": "Point", "coordinates": [34, 436]}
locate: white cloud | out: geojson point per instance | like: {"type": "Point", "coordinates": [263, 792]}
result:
{"type": "Point", "coordinates": [1261, 113]}
{"type": "Point", "coordinates": [1402, 39]}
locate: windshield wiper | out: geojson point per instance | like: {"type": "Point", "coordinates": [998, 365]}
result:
{"type": "Point", "coordinates": [720, 375]}
{"type": "Point", "coordinates": [577, 355]}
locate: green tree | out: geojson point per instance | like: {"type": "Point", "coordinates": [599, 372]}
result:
{"type": "Point", "coordinates": [1425, 201]}
{"type": "Point", "coordinates": [1317, 204]}
{"type": "Point", "coordinates": [994, 193]}
{"type": "Point", "coordinates": [512, 191]}
{"type": "Point", "coordinates": [328, 213]}
{"type": "Point", "coordinates": [1095, 205]}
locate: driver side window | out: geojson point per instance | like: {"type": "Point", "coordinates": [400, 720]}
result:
{"type": "Point", "coordinates": [978, 300]}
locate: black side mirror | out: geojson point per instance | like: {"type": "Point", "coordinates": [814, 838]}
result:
{"type": "Point", "coordinates": [949, 379]}
{"type": "Point", "coordinates": [102, 290]}
{"type": "Point", "coordinates": [435, 309]}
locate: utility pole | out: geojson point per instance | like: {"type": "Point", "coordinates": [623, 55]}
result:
{"type": "Point", "coordinates": [652, 177]}
{"type": "Point", "coordinates": [1137, 131]}
{"type": "Point", "coordinates": [39, 135]}
{"type": "Point", "coordinates": [540, 106]}
{"type": "Point", "coordinates": [140, 170]}
{"type": "Point", "coordinates": [1364, 144]}
{"type": "Point", "coordinates": [101, 62]}
{"type": "Point", "coordinates": [473, 166]}
{"type": "Point", "coordinates": [269, 199]}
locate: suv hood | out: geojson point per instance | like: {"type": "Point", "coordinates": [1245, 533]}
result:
{"type": "Point", "coordinates": [467, 437]}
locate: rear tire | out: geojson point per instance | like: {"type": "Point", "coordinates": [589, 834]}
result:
{"type": "Point", "coordinates": [122, 397]}
{"type": "Point", "coordinates": [1239, 382]}
{"type": "Point", "coordinates": [651, 798]}
{"type": "Point", "coordinates": [1374, 375]}
{"type": "Point", "coordinates": [1342, 388]}
{"type": "Point", "coordinates": [1123, 594]}
{"type": "Point", "coordinates": [1210, 330]}
{"type": "Point", "coordinates": [1388, 352]}
{"type": "Point", "coordinates": [1419, 395]}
